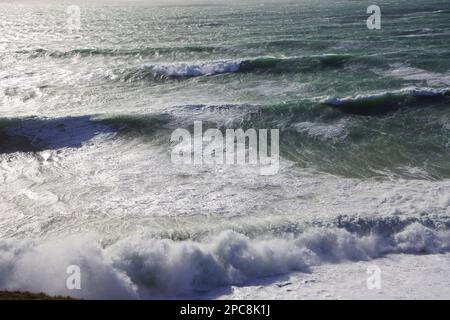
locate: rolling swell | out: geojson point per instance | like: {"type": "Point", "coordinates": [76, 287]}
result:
{"type": "Point", "coordinates": [295, 64]}
{"type": "Point", "coordinates": [116, 52]}
{"type": "Point", "coordinates": [367, 104]}
{"type": "Point", "coordinates": [32, 134]}
{"type": "Point", "coordinates": [329, 140]}
{"type": "Point", "coordinates": [252, 65]}
{"type": "Point", "coordinates": [345, 143]}
{"type": "Point", "coordinates": [384, 102]}
{"type": "Point", "coordinates": [311, 134]}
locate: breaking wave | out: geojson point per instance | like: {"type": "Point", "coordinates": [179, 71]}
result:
{"type": "Point", "coordinates": [185, 70]}
{"type": "Point", "coordinates": [258, 64]}
{"type": "Point", "coordinates": [383, 102]}
{"type": "Point", "coordinates": [148, 268]}
{"type": "Point", "coordinates": [312, 135]}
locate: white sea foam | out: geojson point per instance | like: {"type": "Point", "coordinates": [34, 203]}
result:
{"type": "Point", "coordinates": [405, 92]}
{"type": "Point", "coordinates": [415, 74]}
{"type": "Point", "coordinates": [402, 277]}
{"type": "Point", "coordinates": [207, 68]}
{"type": "Point", "coordinates": [326, 133]}
{"type": "Point", "coordinates": [136, 267]}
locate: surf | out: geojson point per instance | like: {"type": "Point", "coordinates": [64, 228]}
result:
{"type": "Point", "coordinates": [247, 65]}
{"type": "Point", "coordinates": [150, 268]}
{"type": "Point", "coordinates": [387, 101]}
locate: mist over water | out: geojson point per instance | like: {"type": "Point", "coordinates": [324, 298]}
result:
{"type": "Point", "coordinates": [86, 119]}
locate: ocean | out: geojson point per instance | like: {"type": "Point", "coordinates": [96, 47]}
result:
{"type": "Point", "coordinates": [91, 92]}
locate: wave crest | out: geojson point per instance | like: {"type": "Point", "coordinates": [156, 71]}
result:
{"type": "Point", "coordinates": [178, 70]}
{"type": "Point", "coordinates": [258, 64]}
{"type": "Point", "coordinates": [383, 102]}
{"type": "Point", "coordinates": [143, 268]}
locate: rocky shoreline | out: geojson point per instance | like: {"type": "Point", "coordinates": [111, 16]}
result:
{"type": "Point", "coordinates": [18, 295]}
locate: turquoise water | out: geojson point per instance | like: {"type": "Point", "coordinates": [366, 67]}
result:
{"type": "Point", "coordinates": [286, 59]}
{"type": "Point", "coordinates": [86, 117]}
